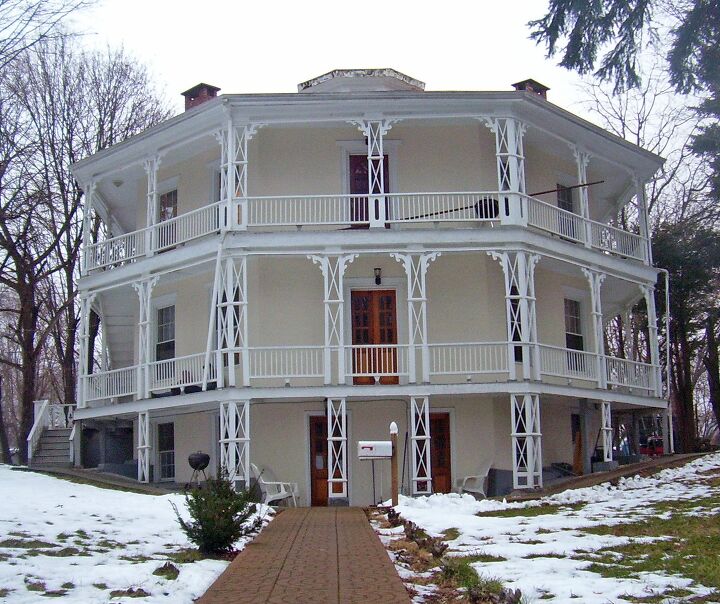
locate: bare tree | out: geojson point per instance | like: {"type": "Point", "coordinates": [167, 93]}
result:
{"type": "Point", "coordinates": [65, 104]}
{"type": "Point", "coordinates": [24, 23]}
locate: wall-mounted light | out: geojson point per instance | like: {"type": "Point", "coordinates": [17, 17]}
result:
{"type": "Point", "coordinates": [378, 275]}
{"type": "Point", "coordinates": [117, 183]}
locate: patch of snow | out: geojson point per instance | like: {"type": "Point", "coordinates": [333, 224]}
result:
{"type": "Point", "coordinates": [122, 537]}
{"type": "Point", "coordinates": [540, 550]}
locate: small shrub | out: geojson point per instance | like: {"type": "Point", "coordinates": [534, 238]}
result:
{"type": "Point", "coordinates": [394, 518]}
{"type": "Point", "coordinates": [219, 516]}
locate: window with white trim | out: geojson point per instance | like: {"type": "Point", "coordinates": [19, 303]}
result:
{"type": "Point", "coordinates": [166, 450]}
{"type": "Point", "coordinates": [573, 325]}
{"type": "Point", "coordinates": [565, 199]}
{"type": "Point", "coordinates": [168, 205]}
{"type": "Point", "coordinates": [165, 335]}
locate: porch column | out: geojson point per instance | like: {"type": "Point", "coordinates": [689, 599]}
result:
{"type": "Point", "coordinates": [519, 272]}
{"type": "Point", "coordinates": [595, 280]}
{"type": "Point", "coordinates": [337, 452]}
{"type": "Point", "coordinates": [234, 139]}
{"type": "Point", "coordinates": [510, 155]}
{"type": "Point", "coordinates": [416, 267]}
{"type": "Point", "coordinates": [421, 479]}
{"type": "Point", "coordinates": [629, 348]}
{"type": "Point", "coordinates": [333, 269]}
{"type": "Point", "coordinates": [585, 436]}
{"type": "Point", "coordinates": [582, 159]}
{"type": "Point", "coordinates": [152, 166]}
{"type": "Point", "coordinates": [86, 301]}
{"type": "Point", "coordinates": [232, 323]}
{"type": "Point", "coordinates": [526, 441]}
{"type": "Point", "coordinates": [374, 131]}
{"type": "Point", "coordinates": [144, 290]}
{"type": "Point", "coordinates": [607, 430]}
{"type": "Point", "coordinates": [643, 219]}
{"type": "Point", "coordinates": [235, 441]}
{"type": "Point", "coordinates": [143, 446]}
{"type": "Point", "coordinates": [649, 294]}
{"type": "Point", "coordinates": [89, 190]}
{"type": "Point", "coordinates": [213, 365]}
{"type": "Point", "coordinates": [668, 434]}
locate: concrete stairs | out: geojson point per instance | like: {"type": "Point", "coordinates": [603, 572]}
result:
{"type": "Point", "coordinates": [54, 449]}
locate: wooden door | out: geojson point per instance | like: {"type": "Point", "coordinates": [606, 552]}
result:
{"type": "Point", "coordinates": [440, 452]}
{"type": "Point", "coordinates": [318, 461]}
{"type": "Point", "coordinates": [374, 326]}
{"type": "Point", "coordinates": [358, 171]}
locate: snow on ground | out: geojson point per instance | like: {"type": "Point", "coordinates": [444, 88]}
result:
{"type": "Point", "coordinates": [119, 540]}
{"type": "Point", "coordinates": [529, 542]}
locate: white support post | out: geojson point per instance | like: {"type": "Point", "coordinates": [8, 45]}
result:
{"type": "Point", "coordinates": [143, 446]}
{"type": "Point", "coordinates": [213, 334]}
{"type": "Point", "coordinates": [582, 159]}
{"type": "Point", "coordinates": [337, 451]}
{"type": "Point", "coordinates": [144, 290]}
{"type": "Point", "coordinates": [333, 269]}
{"type": "Point", "coordinates": [232, 317]}
{"type": "Point", "coordinates": [416, 267]}
{"type": "Point", "coordinates": [89, 191]}
{"type": "Point", "coordinates": [595, 280]}
{"type": "Point", "coordinates": [152, 166]}
{"type": "Point", "coordinates": [509, 133]}
{"type": "Point", "coordinates": [641, 198]}
{"type": "Point", "coordinates": [519, 273]}
{"type": "Point", "coordinates": [234, 171]}
{"type": "Point", "coordinates": [235, 441]}
{"type": "Point", "coordinates": [86, 302]}
{"type": "Point", "coordinates": [607, 430]}
{"type": "Point", "coordinates": [420, 445]}
{"type": "Point", "coordinates": [526, 441]}
{"type": "Point", "coordinates": [375, 131]}
{"type": "Point", "coordinates": [649, 295]}
{"type": "Point", "coordinates": [629, 349]}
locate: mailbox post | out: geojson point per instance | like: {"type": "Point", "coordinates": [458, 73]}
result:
{"type": "Point", "coordinates": [393, 464]}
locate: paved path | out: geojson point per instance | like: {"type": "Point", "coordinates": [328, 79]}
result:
{"type": "Point", "coordinates": [305, 555]}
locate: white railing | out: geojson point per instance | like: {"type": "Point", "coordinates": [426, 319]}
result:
{"type": "Point", "coordinates": [115, 251]}
{"type": "Point", "coordinates": [555, 220]}
{"type": "Point", "coordinates": [111, 384]}
{"type": "Point", "coordinates": [567, 363]}
{"type": "Point", "coordinates": [616, 241]}
{"type": "Point", "coordinates": [631, 374]}
{"type": "Point", "coordinates": [179, 372]}
{"type": "Point", "coordinates": [443, 207]}
{"type": "Point", "coordinates": [187, 227]}
{"type": "Point", "coordinates": [33, 438]}
{"type": "Point", "coordinates": [286, 362]}
{"type": "Point", "coordinates": [468, 358]}
{"type": "Point", "coordinates": [376, 360]}
{"type": "Point", "coordinates": [308, 210]}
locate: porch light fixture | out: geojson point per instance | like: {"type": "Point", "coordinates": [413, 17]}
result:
{"type": "Point", "coordinates": [378, 275]}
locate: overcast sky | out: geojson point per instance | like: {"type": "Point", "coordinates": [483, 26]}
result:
{"type": "Point", "coordinates": [271, 46]}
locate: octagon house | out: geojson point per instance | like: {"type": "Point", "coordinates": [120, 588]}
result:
{"type": "Point", "coordinates": [276, 277]}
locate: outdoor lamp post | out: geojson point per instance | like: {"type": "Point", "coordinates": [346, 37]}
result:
{"type": "Point", "coordinates": [393, 463]}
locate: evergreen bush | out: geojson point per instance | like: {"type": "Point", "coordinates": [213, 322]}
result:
{"type": "Point", "coordinates": [219, 515]}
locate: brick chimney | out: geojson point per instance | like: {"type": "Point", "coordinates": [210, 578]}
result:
{"type": "Point", "coordinates": [532, 86]}
{"type": "Point", "coordinates": [198, 94]}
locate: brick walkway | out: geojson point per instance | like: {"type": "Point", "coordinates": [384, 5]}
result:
{"type": "Point", "coordinates": [324, 555]}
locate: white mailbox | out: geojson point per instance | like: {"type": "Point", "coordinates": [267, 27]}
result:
{"type": "Point", "coordinates": [374, 449]}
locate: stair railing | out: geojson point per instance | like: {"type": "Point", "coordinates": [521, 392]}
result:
{"type": "Point", "coordinates": [38, 427]}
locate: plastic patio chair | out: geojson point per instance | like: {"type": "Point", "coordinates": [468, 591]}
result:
{"type": "Point", "coordinates": [274, 490]}
{"type": "Point", "coordinates": [475, 485]}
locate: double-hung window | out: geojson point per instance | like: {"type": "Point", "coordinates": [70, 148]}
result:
{"type": "Point", "coordinates": [165, 340]}
{"type": "Point", "coordinates": [574, 336]}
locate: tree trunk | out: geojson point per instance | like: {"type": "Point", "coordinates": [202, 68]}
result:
{"type": "Point", "coordinates": [5, 456]}
{"type": "Point", "coordinates": [682, 393]}
{"type": "Point", "coordinates": [712, 365]}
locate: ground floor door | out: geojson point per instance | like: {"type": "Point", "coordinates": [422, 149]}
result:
{"type": "Point", "coordinates": [440, 452]}
{"type": "Point", "coordinates": [318, 460]}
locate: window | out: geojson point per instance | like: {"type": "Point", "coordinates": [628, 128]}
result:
{"type": "Point", "coordinates": [165, 338]}
{"type": "Point", "coordinates": [573, 325]}
{"type": "Point", "coordinates": [168, 206]}
{"type": "Point", "coordinates": [166, 451]}
{"type": "Point", "coordinates": [565, 198]}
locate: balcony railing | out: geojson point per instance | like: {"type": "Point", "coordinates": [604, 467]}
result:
{"type": "Point", "coordinates": [457, 361]}
{"type": "Point", "coordinates": [338, 211]}
{"type": "Point", "coordinates": [471, 358]}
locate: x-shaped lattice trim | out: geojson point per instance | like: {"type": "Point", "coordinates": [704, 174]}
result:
{"type": "Point", "coordinates": [337, 447]}
{"type": "Point", "coordinates": [420, 438]}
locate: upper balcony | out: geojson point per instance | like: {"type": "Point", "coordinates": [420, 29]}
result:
{"type": "Point", "coordinates": [393, 210]}
{"type": "Point", "coordinates": [399, 159]}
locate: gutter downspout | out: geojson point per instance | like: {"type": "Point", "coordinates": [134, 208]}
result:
{"type": "Point", "coordinates": [667, 358]}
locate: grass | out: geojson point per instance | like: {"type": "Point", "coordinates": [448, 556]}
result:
{"type": "Point", "coordinates": [168, 571]}
{"type": "Point", "coordinates": [130, 592]}
{"type": "Point", "coordinates": [480, 557]}
{"type": "Point", "coordinates": [4, 592]}
{"type": "Point", "coordinates": [530, 512]}
{"type": "Point", "coordinates": [686, 545]}
{"type": "Point", "coordinates": [451, 534]}
{"type": "Point", "coordinates": [26, 544]}
{"type": "Point", "coordinates": [184, 556]}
